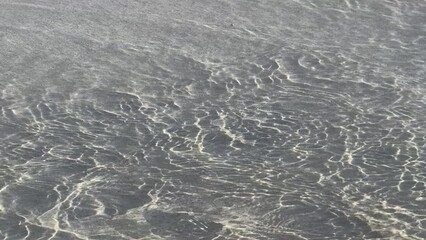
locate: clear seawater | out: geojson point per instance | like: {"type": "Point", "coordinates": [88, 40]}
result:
{"type": "Point", "coordinates": [256, 119]}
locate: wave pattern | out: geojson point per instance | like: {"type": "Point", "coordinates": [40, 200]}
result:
{"type": "Point", "coordinates": [227, 120]}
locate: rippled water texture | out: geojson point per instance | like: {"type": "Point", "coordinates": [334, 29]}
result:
{"type": "Point", "coordinates": [278, 119]}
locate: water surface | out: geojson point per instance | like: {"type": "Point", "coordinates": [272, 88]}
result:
{"type": "Point", "coordinates": [295, 119]}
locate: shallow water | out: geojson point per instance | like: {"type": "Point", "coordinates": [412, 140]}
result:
{"type": "Point", "coordinates": [225, 119]}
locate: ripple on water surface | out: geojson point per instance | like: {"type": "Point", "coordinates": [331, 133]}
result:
{"type": "Point", "coordinates": [232, 120]}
